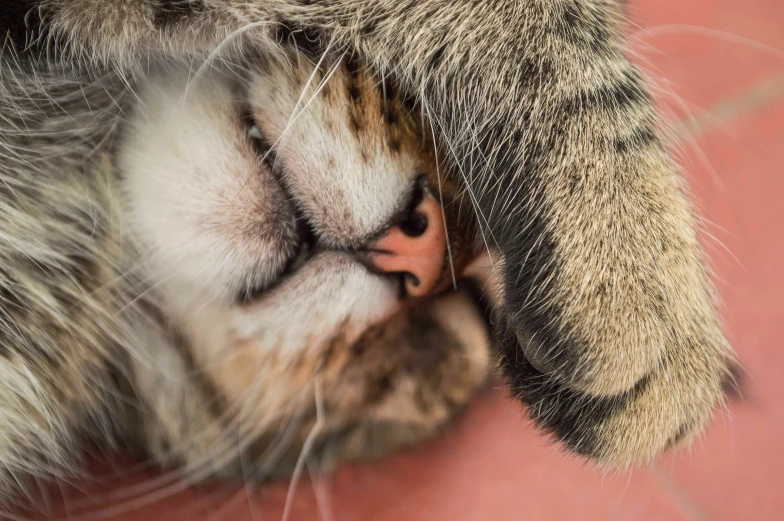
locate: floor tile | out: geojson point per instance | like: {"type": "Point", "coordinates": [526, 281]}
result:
{"type": "Point", "coordinates": [492, 465]}
{"type": "Point", "coordinates": [739, 468]}
{"type": "Point", "coordinates": [699, 52]}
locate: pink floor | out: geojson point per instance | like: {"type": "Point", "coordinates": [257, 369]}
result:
{"type": "Point", "coordinates": [724, 70]}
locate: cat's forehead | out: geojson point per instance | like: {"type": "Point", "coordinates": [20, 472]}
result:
{"type": "Point", "coordinates": [371, 107]}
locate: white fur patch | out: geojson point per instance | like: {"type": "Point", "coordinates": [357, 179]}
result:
{"type": "Point", "coordinates": [210, 217]}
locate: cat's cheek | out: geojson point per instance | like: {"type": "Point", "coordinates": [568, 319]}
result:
{"type": "Point", "coordinates": [336, 159]}
{"type": "Point", "coordinates": [206, 217]}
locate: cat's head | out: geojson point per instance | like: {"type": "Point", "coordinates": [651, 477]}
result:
{"type": "Point", "coordinates": [284, 212]}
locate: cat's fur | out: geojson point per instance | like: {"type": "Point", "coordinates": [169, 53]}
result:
{"type": "Point", "coordinates": [606, 325]}
{"type": "Point", "coordinates": [213, 219]}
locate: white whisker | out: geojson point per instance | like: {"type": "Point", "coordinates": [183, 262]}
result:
{"type": "Point", "coordinates": [306, 447]}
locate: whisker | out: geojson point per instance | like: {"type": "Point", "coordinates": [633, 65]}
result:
{"type": "Point", "coordinates": [481, 219]}
{"type": "Point", "coordinates": [659, 30]}
{"type": "Point", "coordinates": [295, 113]}
{"type": "Point", "coordinates": [441, 202]}
{"type": "Point", "coordinates": [306, 447]}
{"type": "Point", "coordinates": [323, 500]}
{"type": "Point", "coordinates": [224, 43]}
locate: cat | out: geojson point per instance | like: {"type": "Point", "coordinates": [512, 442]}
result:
{"type": "Point", "coordinates": [155, 294]}
{"type": "Point", "coordinates": [267, 204]}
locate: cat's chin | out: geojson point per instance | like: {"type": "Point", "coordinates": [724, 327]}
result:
{"type": "Point", "coordinates": [360, 394]}
{"type": "Point", "coordinates": [320, 325]}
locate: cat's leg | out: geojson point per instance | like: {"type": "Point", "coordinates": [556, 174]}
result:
{"type": "Point", "coordinates": [604, 288]}
{"type": "Point", "coordinates": [551, 126]}
{"type": "Point", "coordinates": [58, 324]}
{"type": "Point", "coordinates": [37, 426]}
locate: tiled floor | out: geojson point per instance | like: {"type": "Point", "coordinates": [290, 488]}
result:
{"type": "Point", "coordinates": [724, 65]}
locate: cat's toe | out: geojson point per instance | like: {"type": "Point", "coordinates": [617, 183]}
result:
{"type": "Point", "coordinates": [599, 367]}
{"type": "Point", "coordinates": [590, 338]}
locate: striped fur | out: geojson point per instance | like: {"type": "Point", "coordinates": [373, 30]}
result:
{"type": "Point", "coordinates": [607, 329]}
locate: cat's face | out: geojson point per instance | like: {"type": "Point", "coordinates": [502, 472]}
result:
{"type": "Point", "coordinates": [257, 200]}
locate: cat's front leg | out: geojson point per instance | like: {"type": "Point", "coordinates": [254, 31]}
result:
{"type": "Point", "coordinates": [609, 330]}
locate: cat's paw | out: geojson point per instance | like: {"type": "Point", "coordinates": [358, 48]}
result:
{"type": "Point", "coordinates": [669, 406]}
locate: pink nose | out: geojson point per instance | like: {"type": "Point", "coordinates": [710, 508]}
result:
{"type": "Point", "coordinates": [415, 247]}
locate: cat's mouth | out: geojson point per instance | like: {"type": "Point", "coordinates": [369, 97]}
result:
{"type": "Point", "coordinates": [413, 281]}
{"type": "Point", "coordinates": [307, 247]}
{"type": "Point", "coordinates": [307, 242]}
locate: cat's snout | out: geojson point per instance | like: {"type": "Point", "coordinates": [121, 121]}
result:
{"type": "Point", "coordinates": [416, 247]}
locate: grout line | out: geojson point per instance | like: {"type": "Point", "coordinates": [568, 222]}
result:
{"type": "Point", "coordinates": [682, 499]}
{"type": "Point", "coordinates": [757, 96]}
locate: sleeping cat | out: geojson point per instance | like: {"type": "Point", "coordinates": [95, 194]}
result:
{"type": "Point", "coordinates": [229, 232]}
{"type": "Point", "coordinates": [290, 223]}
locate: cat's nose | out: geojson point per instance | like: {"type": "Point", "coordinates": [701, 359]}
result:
{"type": "Point", "coordinates": [416, 247]}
